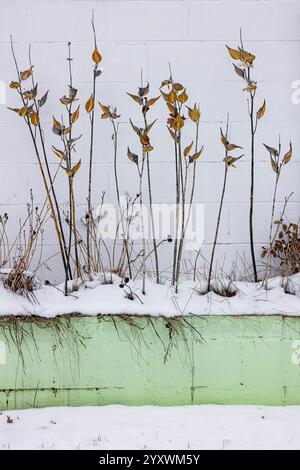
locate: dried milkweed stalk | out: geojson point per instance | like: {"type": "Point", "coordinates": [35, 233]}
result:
{"type": "Point", "coordinates": [229, 161]}
{"type": "Point", "coordinates": [278, 161]}
{"type": "Point", "coordinates": [90, 109]}
{"type": "Point", "coordinates": [140, 165]}
{"type": "Point", "coordinates": [176, 97]}
{"type": "Point", "coordinates": [29, 111]}
{"type": "Point", "coordinates": [110, 113]}
{"type": "Point", "coordinates": [146, 104]}
{"type": "Point", "coordinates": [68, 145]}
{"type": "Point", "coordinates": [245, 61]}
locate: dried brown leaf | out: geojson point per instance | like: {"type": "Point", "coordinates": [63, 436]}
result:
{"type": "Point", "coordinates": [261, 110]}
{"type": "Point", "coordinates": [287, 157]}
{"type": "Point", "coordinates": [59, 153]}
{"type": "Point", "coordinates": [132, 156]}
{"type": "Point", "coordinates": [143, 91]}
{"type": "Point", "coordinates": [188, 149]}
{"type": "Point", "coordinates": [34, 118]}
{"type": "Point", "coordinates": [14, 85]}
{"type": "Point", "coordinates": [75, 115]}
{"type": "Point", "coordinates": [234, 54]}
{"type": "Point", "coordinates": [89, 105]}
{"type": "Point", "coordinates": [96, 56]}
{"type": "Point", "coordinates": [196, 155]}
{"type": "Point", "coordinates": [136, 98]}
{"type": "Point", "coordinates": [152, 101]}
{"type": "Point", "coordinates": [26, 74]}
{"type": "Point", "coordinates": [43, 100]}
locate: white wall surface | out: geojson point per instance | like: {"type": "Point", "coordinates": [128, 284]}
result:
{"type": "Point", "coordinates": [134, 34]}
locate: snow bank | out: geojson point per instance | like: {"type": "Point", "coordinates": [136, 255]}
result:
{"type": "Point", "coordinates": [94, 298]}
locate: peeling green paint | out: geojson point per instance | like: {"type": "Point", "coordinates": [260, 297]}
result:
{"type": "Point", "coordinates": [135, 361]}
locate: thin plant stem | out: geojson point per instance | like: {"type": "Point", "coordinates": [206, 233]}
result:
{"type": "Point", "coordinates": [90, 177]}
{"type": "Point", "coordinates": [71, 176]}
{"type": "Point", "coordinates": [217, 229]}
{"type": "Point", "coordinates": [176, 213]}
{"type": "Point", "coordinates": [141, 172]}
{"type": "Point", "coordinates": [251, 208]}
{"type": "Point", "coordinates": [151, 211]}
{"type": "Point", "coordinates": [193, 182]}
{"type": "Point", "coordinates": [183, 199]}
{"type": "Point", "coordinates": [125, 242]}
{"type": "Point", "coordinates": [219, 212]}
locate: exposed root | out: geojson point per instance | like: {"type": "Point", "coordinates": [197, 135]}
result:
{"type": "Point", "coordinates": [19, 331]}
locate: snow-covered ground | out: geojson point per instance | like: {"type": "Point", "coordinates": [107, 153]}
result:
{"type": "Point", "coordinates": [154, 428]}
{"type": "Point", "coordinates": [94, 298]}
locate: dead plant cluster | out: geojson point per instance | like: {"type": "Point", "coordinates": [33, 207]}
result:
{"type": "Point", "coordinates": [285, 248]}
{"type": "Point", "coordinates": [83, 252]}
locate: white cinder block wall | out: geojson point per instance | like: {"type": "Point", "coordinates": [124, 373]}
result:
{"type": "Point", "coordinates": [149, 34]}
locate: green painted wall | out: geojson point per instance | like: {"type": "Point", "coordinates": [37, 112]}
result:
{"type": "Point", "coordinates": [138, 361]}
